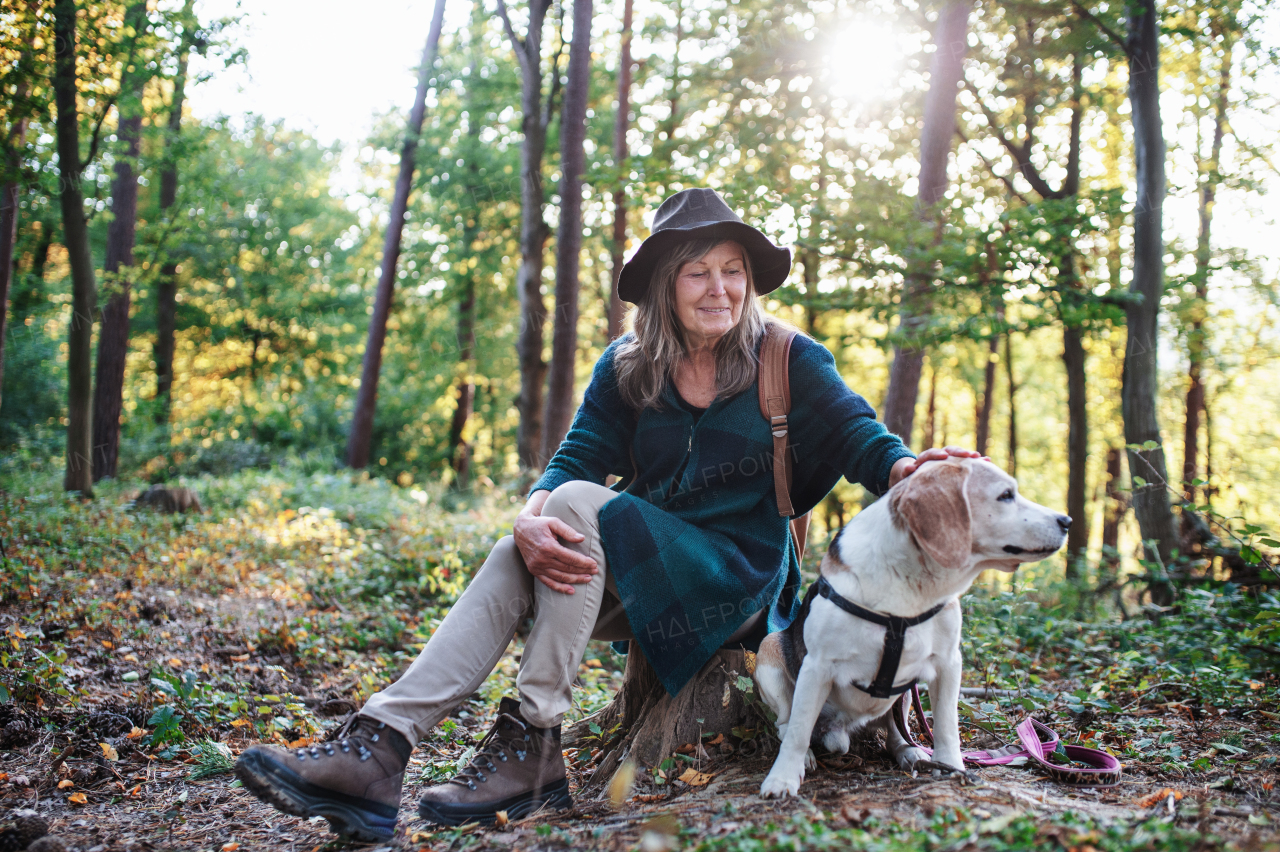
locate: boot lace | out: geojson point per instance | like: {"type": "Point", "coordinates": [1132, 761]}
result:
{"type": "Point", "coordinates": [509, 735]}
{"type": "Point", "coordinates": [351, 734]}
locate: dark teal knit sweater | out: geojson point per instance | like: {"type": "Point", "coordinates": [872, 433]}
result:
{"type": "Point", "coordinates": [694, 558]}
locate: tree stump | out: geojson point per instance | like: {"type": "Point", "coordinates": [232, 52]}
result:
{"type": "Point", "coordinates": [646, 725]}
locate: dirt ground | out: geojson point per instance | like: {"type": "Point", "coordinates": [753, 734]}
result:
{"type": "Point", "coordinates": [175, 813]}
{"type": "Point", "coordinates": [78, 742]}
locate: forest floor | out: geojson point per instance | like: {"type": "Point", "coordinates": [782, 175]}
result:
{"type": "Point", "coordinates": [141, 652]}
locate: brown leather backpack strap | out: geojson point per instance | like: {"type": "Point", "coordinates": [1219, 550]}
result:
{"type": "Point", "coordinates": [775, 405]}
{"type": "Point", "coordinates": [800, 534]}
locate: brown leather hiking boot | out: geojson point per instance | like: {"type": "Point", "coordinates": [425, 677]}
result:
{"type": "Point", "coordinates": [518, 769]}
{"type": "Point", "coordinates": [352, 779]}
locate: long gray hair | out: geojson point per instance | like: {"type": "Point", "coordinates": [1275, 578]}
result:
{"type": "Point", "coordinates": [645, 363]}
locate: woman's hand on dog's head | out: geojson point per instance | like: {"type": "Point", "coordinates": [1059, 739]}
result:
{"type": "Point", "coordinates": [538, 540]}
{"type": "Point", "coordinates": [903, 468]}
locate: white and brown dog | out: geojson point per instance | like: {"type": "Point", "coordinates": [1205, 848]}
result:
{"type": "Point", "coordinates": [885, 613]}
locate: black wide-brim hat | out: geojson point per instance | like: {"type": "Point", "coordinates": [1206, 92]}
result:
{"type": "Point", "coordinates": [701, 214]}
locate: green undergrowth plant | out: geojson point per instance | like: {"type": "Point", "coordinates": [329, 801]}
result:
{"type": "Point", "coordinates": [212, 758]}
{"type": "Point", "coordinates": [948, 828]}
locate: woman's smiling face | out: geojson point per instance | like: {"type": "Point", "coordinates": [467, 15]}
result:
{"type": "Point", "coordinates": [709, 294]}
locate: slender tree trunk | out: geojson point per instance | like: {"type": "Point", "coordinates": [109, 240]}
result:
{"type": "Point", "coordinates": [1013, 409]}
{"type": "Point", "coordinates": [1210, 490]}
{"type": "Point", "coordinates": [1073, 357]}
{"type": "Point", "coordinates": [667, 134]}
{"type": "Point", "coordinates": [19, 112]}
{"type": "Point", "coordinates": [9, 217]}
{"type": "Point", "coordinates": [931, 416]}
{"type": "Point", "coordinates": [950, 36]}
{"type": "Point", "coordinates": [113, 334]}
{"type": "Point", "coordinates": [359, 443]}
{"type": "Point", "coordinates": [533, 232]}
{"type": "Point", "coordinates": [79, 471]}
{"type": "Point", "coordinates": [24, 300]}
{"type": "Point", "coordinates": [810, 257]}
{"type": "Point", "coordinates": [1116, 506]}
{"type": "Point", "coordinates": [1204, 257]}
{"type": "Point", "coordinates": [459, 450]}
{"type": "Point", "coordinates": [573, 128]}
{"type": "Point", "coordinates": [1141, 376]}
{"type": "Point", "coordinates": [809, 260]}
{"type": "Point", "coordinates": [982, 422]}
{"type": "Point", "coordinates": [167, 282]}
{"type": "Point", "coordinates": [620, 156]}
{"type": "Point", "coordinates": [982, 419]}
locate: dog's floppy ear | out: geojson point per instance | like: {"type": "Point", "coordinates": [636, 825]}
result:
{"type": "Point", "coordinates": [933, 504]}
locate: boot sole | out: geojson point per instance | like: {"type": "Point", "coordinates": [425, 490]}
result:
{"type": "Point", "coordinates": [555, 797]}
{"type": "Point", "coordinates": [286, 791]}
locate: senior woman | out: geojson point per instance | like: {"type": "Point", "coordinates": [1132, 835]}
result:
{"type": "Point", "coordinates": [684, 555]}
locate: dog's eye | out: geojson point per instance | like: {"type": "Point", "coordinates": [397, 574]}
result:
{"type": "Point", "coordinates": [1007, 496]}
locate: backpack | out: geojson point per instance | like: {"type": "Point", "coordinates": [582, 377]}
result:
{"type": "Point", "coordinates": [775, 405]}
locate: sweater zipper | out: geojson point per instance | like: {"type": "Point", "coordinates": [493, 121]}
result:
{"type": "Point", "coordinates": [679, 477]}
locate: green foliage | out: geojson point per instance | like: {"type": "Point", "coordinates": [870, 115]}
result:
{"type": "Point", "coordinates": [952, 828]}
{"type": "Point", "coordinates": [1195, 651]}
{"type": "Point", "coordinates": [166, 729]}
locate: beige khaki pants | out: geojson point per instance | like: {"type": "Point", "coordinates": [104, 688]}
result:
{"type": "Point", "coordinates": [478, 628]}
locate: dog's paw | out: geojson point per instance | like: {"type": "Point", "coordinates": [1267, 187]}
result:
{"type": "Point", "coordinates": [776, 786]}
{"type": "Point", "coordinates": [909, 757]}
{"type": "Point", "coordinates": [810, 760]}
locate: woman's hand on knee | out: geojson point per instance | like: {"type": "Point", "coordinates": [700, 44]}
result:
{"type": "Point", "coordinates": [538, 540]}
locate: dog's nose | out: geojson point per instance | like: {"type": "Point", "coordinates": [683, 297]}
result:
{"type": "Point", "coordinates": [1064, 522]}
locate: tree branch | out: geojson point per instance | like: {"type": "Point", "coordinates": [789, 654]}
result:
{"type": "Point", "coordinates": [1021, 153]}
{"type": "Point", "coordinates": [991, 167]}
{"type": "Point", "coordinates": [1120, 42]}
{"type": "Point", "coordinates": [555, 75]}
{"type": "Point", "coordinates": [516, 45]}
{"type": "Point", "coordinates": [97, 131]}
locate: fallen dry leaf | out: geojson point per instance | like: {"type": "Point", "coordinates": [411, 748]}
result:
{"type": "Point", "coordinates": [176, 663]}
{"type": "Point", "coordinates": [302, 743]}
{"type": "Point", "coordinates": [135, 733]}
{"type": "Point", "coordinates": [65, 783]}
{"type": "Point", "coordinates": [239, 723]}
{"type": "Point", "coordinates": [240, 658]}
{"type": "Point", "coordinates": [107, 644]}
{"type": "Point", "coordinates": [109, 751]}
{"type": "Point", "coordinates": [1158, 797]}
{"type": "Point", "coordinates": [78, 799]}
{"type": "Point", "coordinates": [624, 780]}
{"type": "Point", "coordinates": [718, 739]}
{"type": "Point", "coordinates": [4, 776]}
{"type": "Point", "coordinates": [694, 778]}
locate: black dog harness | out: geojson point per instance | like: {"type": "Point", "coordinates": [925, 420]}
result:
{"type": "Point", "coordinates": [895, 635]}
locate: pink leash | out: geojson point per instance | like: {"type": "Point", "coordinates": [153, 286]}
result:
{"type": "Point", "coordinates": [1038, 742]}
